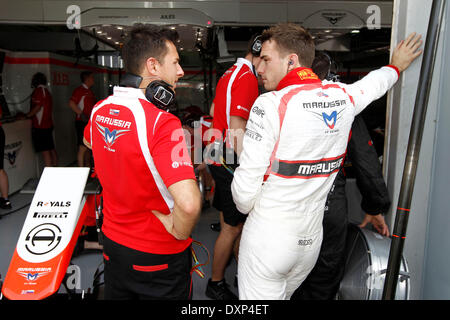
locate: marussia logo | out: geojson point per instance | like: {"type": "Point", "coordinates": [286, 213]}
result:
{"type": "Point", "coordinates": [12, 151]}
{"type": "Point", "coordinates": [30, 274]}
{"type": "Point", "coordinates": [330, 120]}
{"type": "Point", "coordinates": [109, 136]}
{"type": "Point", "coordinates": [334, 17]}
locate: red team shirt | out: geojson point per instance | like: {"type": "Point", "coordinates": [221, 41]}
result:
{"type": "Point", "coordinates": [236, 91]}
{"type": "Point", "coordinates": [139, 152]}
{"type": "Point", "coordinates": [84, 99]}
{"type": "Point", "coordinates": [43, 119]}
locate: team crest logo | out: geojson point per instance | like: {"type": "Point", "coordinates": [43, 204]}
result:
{"type": "Point", "coordinates": [12, 151]}
{"type": "Point", "coordinates": [110, 137]}
{"type": "Point", "coordinates": [11, 157]}
{"type": "Point", "coordinates": [32, 276]}
{"type": "Point", "coordinates": [330, 120]}
{"type": "Point", "coordinates": [334, 17]}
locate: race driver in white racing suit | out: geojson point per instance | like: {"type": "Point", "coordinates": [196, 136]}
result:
{"type": "Point", "coordinates": [295, 142]}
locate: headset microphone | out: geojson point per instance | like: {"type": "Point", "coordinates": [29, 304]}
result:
{"type": "Point", "coordinates": [290, 63]}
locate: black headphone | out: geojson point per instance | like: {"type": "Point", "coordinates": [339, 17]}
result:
{"type": "Point", "coordinates": [256, 46]}
{"type": "Point", "coordinates": [158, 92]}
{"type": "Point", "coordinates": [256, 50]}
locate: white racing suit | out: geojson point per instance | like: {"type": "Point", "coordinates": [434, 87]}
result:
{"type": "Point", "coordinates": [294, 145]}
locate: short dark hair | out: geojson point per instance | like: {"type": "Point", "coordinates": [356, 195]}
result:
{"type": "Point", "coordinates": [292, 38]}
{"type": "Point", "coordinates": [84, 75]}
{"type": "Point", "coordinates": [321, 65]}
{"type": "Point", "coordinates": [38, 79]}
{"type": "Point", "coordinates": [144, 41]}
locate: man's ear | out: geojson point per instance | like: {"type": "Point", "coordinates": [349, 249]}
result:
{"type": "Point", "coordinates": [152, 66]}
{"type": "Point", "coordinates": [293, 61]}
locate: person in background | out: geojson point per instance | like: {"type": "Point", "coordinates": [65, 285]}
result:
{"type": "Point", "coordinates": [236, 91]}
{"type": "Point", "coordinates": [323, 281]}
{"type": "Point", "coordinates": [41, 113]}
{"type": "Point", "coordinates": [5, 203]}
{"type": "Point", "coordinates": [195, 122]}
{"type": "Point", "coordinates": [81, 102]}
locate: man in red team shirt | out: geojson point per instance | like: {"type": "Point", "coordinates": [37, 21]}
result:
{"type": "Point", "coordinates": [151, 198]}
{"type": "Point", "coordinates": [42, 120]}
{"type": "Point", "coordinates": [236, 91]}
{"type": "Point", "coordinates": [81, 103]}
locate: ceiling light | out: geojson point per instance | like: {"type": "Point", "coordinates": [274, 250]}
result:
{"type": "Point", "coordinates": [109, 38]}
{"type": "Point", "coordinates": [119, 27]}
{"type": "Point", "coordinates": [355, 31]}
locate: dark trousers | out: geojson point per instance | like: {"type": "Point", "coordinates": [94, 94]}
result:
{"type": "Point", "coordinates": [2, 146]}
{"type": "Point", "coordinates": [323, 281]}
{"type": "Point", "coordinates": [136, 275]}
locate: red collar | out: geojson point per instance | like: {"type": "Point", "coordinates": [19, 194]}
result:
{"type": "Point", "coordinates": [298, 76]}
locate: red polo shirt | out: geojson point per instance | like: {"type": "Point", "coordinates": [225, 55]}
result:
{"type": "Point", "coordinates": [84, 98]}
{"type": "Point", "coordinates": [41, 97]}
{"type": "Point", "coordinates": [236, 91]}
{"type": "Point", "coordinates": [139, 151]}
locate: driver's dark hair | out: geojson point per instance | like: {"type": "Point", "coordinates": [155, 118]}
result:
{"type": "Point", "coordinates": [145, 41]}
{"type": "Point", "coordinates": [292, 38]}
